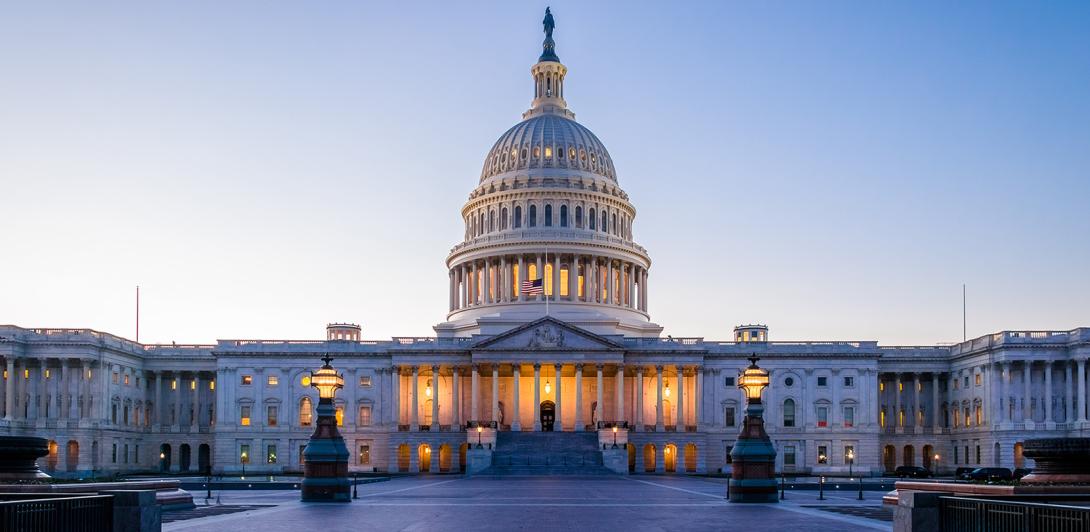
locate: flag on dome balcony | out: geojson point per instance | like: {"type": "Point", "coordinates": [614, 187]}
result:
{"type": "Point", "coordinates": [533, 287]}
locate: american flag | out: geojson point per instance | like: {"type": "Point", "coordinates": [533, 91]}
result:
{"type": "Point", "coordinates": [533, 287]}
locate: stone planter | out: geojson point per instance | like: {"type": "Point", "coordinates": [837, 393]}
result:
{"type": "Point", "coordinates": [1058, 460]}
{"type": "Point", "coordinates": [19, 458]}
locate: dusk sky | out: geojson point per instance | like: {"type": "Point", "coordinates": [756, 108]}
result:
{"type": "Point", "coordinates": [835, 170]}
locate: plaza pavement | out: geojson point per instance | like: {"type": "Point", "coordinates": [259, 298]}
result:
{"type": "Point", "coordinates": [625, 504]}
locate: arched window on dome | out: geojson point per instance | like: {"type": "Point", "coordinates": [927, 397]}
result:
{"type": "Point", "coordinates": [480, 226]}
{"type": "Point", "coordinates": [531, 218]}
{"type": "Point", "coordinates": [473, 229]}
{"type": "Point", "coordinates": [491, 221]}
{"type": "Point", "coordinates": [503, 219]}
{"type": "Point", "coordinates": [593, 220]}
{"type": "Point", "coordinates": [623, 232]}
{"type": "Point", "coordinates": [578, 216]}
{"type": "Point", "coordinates": [605, 222]}
{"type": "Point", "coordinates": [615, 223]}
{"type": "Point", "coordinates": [517, 222]}
{"type": "Point", "coordinates": [548, 216]}
{"type": "Point", "coordinates": [563, 216]}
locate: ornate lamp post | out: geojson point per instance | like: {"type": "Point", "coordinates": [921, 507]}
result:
{"type": "Point", "coordinates": [325, 477]}
{"type": "Point", "coordinates": [753, 474]}
{"type": "Point", "coordinates": [851, 462]}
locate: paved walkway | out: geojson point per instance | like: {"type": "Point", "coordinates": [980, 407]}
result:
{"type": "Point", "coordinates": [538, 503]}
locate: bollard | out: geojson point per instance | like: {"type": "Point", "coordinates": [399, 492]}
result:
{"type": "Point", "coordinates": [781, 486]}
{"type": "Point", "coordinates": [355, 483]}
{"type": "Point", "coordinates": [821, 488]}
{"type": "Point", "coordinates": [860, 487]}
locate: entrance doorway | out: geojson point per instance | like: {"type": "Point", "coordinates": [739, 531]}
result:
{"type": "Point", "coordinates": [548, 415]}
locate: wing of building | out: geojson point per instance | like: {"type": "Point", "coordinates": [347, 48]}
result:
{"type": "Point", "coordinates": [575, 354]}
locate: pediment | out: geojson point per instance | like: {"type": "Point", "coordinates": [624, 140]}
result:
{"type": "Point", "coordinates": [547, 334]}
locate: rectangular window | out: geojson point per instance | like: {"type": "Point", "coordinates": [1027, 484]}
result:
{"type": "Point", "coordinates": [730, 459]}
{"type": "Point", "coordinates": [849, 382]}
{"type": "Point", "coordinates": [272, 380]}
{"type": "Point", "coordinates": [729, 416]}
{"type": "Point", "coordinates": [823, 381]}
{"type": "Point", "coordinates": [113, 453]}
{"type": "Point", "coordinates": [966, 381]}
{"type": "Point", "coordinates": [244, 453]}
{"type": "Point", "coordinates": [365, 455]}
{"type": "Point", "coordinates": [270, 415]}
{"type": "Point", "coordinates": [244, 416]}
{"type": "Point", "coordinates": [365, 381]}
{"type": "Point", "coordinates": [788, 455]}
{"type": "Point", "coordinates": [193, 384]}
{"type": "Point", "coordinates": [881, 386]}
{"type": "Point", "coordinates": [823, 454]}
{"type": "Point", "coordinates": [247, 380]}
{"type": "Point", "coordinates": [211, 385]}
{"type": "Point", "coordinates": [730, 381]}
{"type": "Point", "coordinates": [126, 379]}
{"type": "Point", "coordinates": [116, 377]}
{"type": "Point", "coordinates": [849, 416]}
{"type": "Point", "coordinates": [365, 416]}
{"type": "Point", "coordinates": [125, 457]}
{"type": "Point", "coordinates": [966, 454]}
{"type": "Point", "coordinates": [822, 416]}
{"type": "Point", "coordinates": [173, 385]}
{"type": "Point", "coordinates": [978, 455]}
{"type": "Point", "coordinates": [270, 454]}
{"type": "Point", "coordinates": [979, 379]}
{"type": "Point", "coordinates": [849, 454]}
{"type": "Point", "coordinates": [955, 454]}
{"type": "Point", "coordinates": [339, 414]}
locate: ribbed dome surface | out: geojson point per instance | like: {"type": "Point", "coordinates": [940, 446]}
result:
{"type": "Point", "coordinates": [548, 141]}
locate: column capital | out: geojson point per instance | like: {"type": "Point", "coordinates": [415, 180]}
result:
{"type": "Point", "coordinates": [537, 366]}
{"type": "Point", "coordinates": [455, 370]}
{"type": "Point", "coordinates": [578, 366]}
{"type": "Point", "coordinates": [558, 365]}
{"type": "Point", "coordinates": [435, 368]}
{"type": "Point", "coordinates": [658, 368]}
{"type": "Point", "coordinates": [599, 367]}
{"type": "Point", "coordinates": [415, 368]}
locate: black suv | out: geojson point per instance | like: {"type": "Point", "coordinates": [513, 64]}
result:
{"type": "Point", "coordinates": [912, 472]}
{"type": "Point", "coordinates": [990, 474]}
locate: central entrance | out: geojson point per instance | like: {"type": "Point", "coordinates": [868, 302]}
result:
{"type": "Point", "coordinates": [548, 415]}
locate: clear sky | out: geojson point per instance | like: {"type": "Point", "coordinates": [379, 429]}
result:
{"type": "Point", "coordinates": [836, 170]}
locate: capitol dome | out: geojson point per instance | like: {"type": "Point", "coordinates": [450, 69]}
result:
{"type": "Point", "coordinates": [548, 141]}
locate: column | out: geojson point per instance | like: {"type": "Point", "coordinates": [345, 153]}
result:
{"type": "Point", "coordinates": [540, 275]}
{"type": "Point", "coordinates": [559, 396]}
{"type": "Point", "coordinates": [579, 398]}
{"type": "Point", "coordinates": [464, 290]}
{"type": "Point", "coordinates": [936, 420]}
{"type": "Point", "coordinates": [9, 389]}
{"type": "Point", "coordinates": [85, 387]}
{"type": "Point", "coordinates": [197, 403]}
{"type": "Point", "coordinates": [631, 278]}
{"type": "Point", "coordinates": [496, 394]}
{"type": "Point", "coordinates": [486, 289]}
{"type": "Point", "coordinates": [1069, 394]}
{"type": "Point", "coordinates": [474, 392]}
{"type": "Point", "coordinates": [414, 401]}
{"type": "Point", "coordinates": [450, 291]}
{"type": "Point", "coordinates": [643, 289]}
{"type": "Point", "coordinates": [1027, 376]}
{"type": "Point", "coordinates": [537, 397]}
{"type": "Point", "coordinates": [659, 426]}
{"type": "Point", "coordinates": [1081, 402]}
{"type": "Point", "coordinates": [618, 415]}
{"type": "Point", "coordinates": [600, 403]}
{"type": "Point", "coordinates": [435, 399]}
{"type": "Point", "coordinates": [1008, 411]}
{"type": "Point", "coordinates": [897, 400]}
{"type": "Point", "coordinates": [177, 421]}
{"type": "Point", "coordinates": [698, 397]}
{"type": "Point", "coordinates": [516, 411]}
{"type": "Point", "coordinates": [917, 420]}
{"type": "Point", "coordinates": [610, 292]}
{"type": "Point", "coordinates": [573, 278]}
{"type": "Point", "coordinates": [680, 418]}
{"type": "Point", "coordinates": [1048, 391]}
{"type": "Point", "coordinates": [456, 398]}
{"type": "Point", "coordinates": [556, 277]}
{"type": "Point", "coordinates": [395, 391]}
{"type": "Point", "coordinates": [639, 398]}
{"type": "Point", "coordinates": [505, 280]}
{"type": "Point", "coordinates": [522, 276]}
{"type": "Point", "coordinates": [73, 394]}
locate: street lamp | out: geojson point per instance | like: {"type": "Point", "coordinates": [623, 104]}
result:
{"type": "Point", "coordinates": [936, 467]}
{"type": "Point", "coordinates": [614, 436]}
{"type": "Point", "coordinates": [244, 457]}
{"type": "Point", "coordinates": [548, 387]}
{"type": "Point", "coordinates": [753, 457]}
{"type": "Point", "coordinates": [851, 461]}
{"type": "Point", "coordinates": [479, 430]}
{"type": "Point", "coordinates": [325, 473]}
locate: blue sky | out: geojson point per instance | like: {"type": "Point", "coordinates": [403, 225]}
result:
{"type": "Point", "coordinates": [833, 169]}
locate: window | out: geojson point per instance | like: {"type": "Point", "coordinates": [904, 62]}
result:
{"type": "Point", "coordinates": [193, 385]}
{"type": "Point", "coordinates": [517, 222]}
{"type": "Point", "coordinates": [966, 454]}
{"type": "Point", "coordinates": [979, 379]}
{"type": "Point", "coordinates": [966, 381]}
{"type": "Point", "coordinates": [115, 377]}
{"type": "Point", "coordinates": [126, 378]}
{"type": "Point", "coordinates": [849, 382]}
{"type": "Point", "coordinates": [788, 455]}
{"type": "Point", "coordinates": [605, 222]}
{"type": "Point", "coordinates": [823, 416]}
{"type": "Point", "coordinates": [365, 381]}
{"type": "Point", "coordinates": [823, 381]}
{"type": "Point", "coordinates": [579, 216]}
{"type": "Point", "coordinates": [305, 414]}
{"type": "Point", "coordinates": [789, 382]}
{"type": "Point", "coordinates": [503, 218]}
{"type": "Point", "coordinates": [978, 455]}
{"type": "Point", "coordinates": [593, 222]}
{"type": "Point", "coordinates": [730, 459]}
{"type": "Point", "coordinates": [823, 454]}
{"type": "Point", "coordinates": [244, 453]}
{"type": "Point", "coordinates": [365, 452]}
{"type": "Point", "coordinates": [531, 218]}
{"type": "Point", "coordinates": [789, 413]}
{"type": "Point", "coordinates": [548, 216]}
{"type": "Point", "coordinates": [174, 385]}
{"type": "Point", "coordinates": [272, 380]}
{"type": "Point", "coordinates": [339, 414]}
{"type": "Point", "coordinates": [211, 385]}
{"type": "Point", "coordinates": [563, 216]}
{"type": "Point", "coordinates": [244, 416]}
{"type": "Point", "coordinates": [305, 381]}
{"type": "Point", "coordinates": [881, 386]}
{"type": "Point", "coordinates": [113, 413]}
{"type": "Point", "coordinates": [113, 453]}
{"type": "Point", "coordinates": [365, 416]}
{"type": "Point", "coordinates": [955, 454]}
{"type": "Point", "coordinates": [729, 381]}
{"type": "Point", "coordinates": [271, 415]}
{"type": "Point", "coordinates": [849, 416]}
{"type": "Point", "coordinates": [247, 380]}
{"type": "Point", "coordinates": [270, 454]}
{"type": "Point", "coordinates": [729, 416]}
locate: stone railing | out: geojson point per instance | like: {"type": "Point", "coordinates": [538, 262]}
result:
{"type": "Point", "coordinates": [521, 236]}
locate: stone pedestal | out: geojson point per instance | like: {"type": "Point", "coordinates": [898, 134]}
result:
{"type": "Point", "coordinates": [325, 475]}
{"type": "Point", "coordinates": [753, 472]}
{"type": "Point", "coordinates": [19, 455]}
{"type": "Point", "coordinates": [135, 511]}
{"type": "Point", "coordinates": [616, 460]}
{"type": "Point", "coordinates": [478, 460]}
{"type": "Point", "coordinates": [1058, 460]}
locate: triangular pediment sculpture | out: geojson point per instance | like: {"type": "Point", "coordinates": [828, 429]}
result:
{"type": "Point", "coordinates": [547, 333]}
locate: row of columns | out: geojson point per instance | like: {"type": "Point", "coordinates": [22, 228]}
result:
{"type": "Point", "coordinates": [617, 414]}
{"type": "Point", "coordinates": [72, 394]}
{"type": "Point", "coordinates": [498, 280]}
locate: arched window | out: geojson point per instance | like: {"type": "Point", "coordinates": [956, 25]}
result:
{"type": "Point", "coordinates": [593, 220]}
{"type": "Point", "coordinates": [491, 221]}
{"type": "Point", "coordinates": [563, 216]}
{"type": "Point", "coordinates": [306, 415]}
{"type": "Point", "coordinates": [503, 219]}
{"type": "Point", "coordinates": [789, 412]}
{"type": "Point", "coordinates": [548, 216]}
{"type": "Point", "coordinates": [605, 222]}
{"type": "Point", "coordinates": [531, 218]}
{"type": "Point", "coordinates": [615, 223]}
{"type": "Point", "coordinates": [480, 226]}
{"type": "Point", "coordinates": [579, 216]}
{"type": "Point", "coordinates": [517, 222]}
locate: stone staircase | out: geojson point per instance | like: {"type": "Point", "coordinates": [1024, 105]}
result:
{"type": "Point", "coordinates": [547, 453]}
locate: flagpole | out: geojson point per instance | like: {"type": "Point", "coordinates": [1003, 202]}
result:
{"type": "Point", "coordinates": [546, 296]}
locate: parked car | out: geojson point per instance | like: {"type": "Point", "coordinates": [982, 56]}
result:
{"type": "Point", "coordinates": [1021, 472]}
{"type": "Point", "coordinates": [962, 473]}
{"type": "Point", "coordinates": [912, 472]}
{"type": "Point", "coordinates": [991, 474]}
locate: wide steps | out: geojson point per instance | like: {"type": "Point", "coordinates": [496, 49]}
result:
{"type": "Point", "coordinates": [547, 453]}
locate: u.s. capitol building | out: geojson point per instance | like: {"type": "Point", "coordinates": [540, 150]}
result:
{"type": "Point", "coordinates": [581, 357]}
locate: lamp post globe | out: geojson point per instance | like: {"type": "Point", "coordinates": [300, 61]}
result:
{"type": "Point", "coordinates": [325, 473]}
{"type": "Point", "coordinates": [753, 456]}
